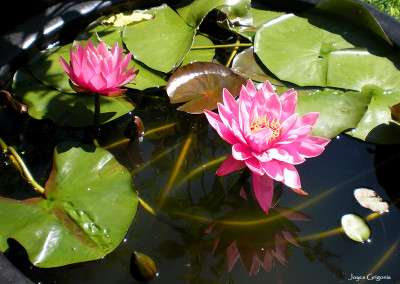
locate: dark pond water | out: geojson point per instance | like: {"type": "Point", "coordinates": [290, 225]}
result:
{"type": "Point", "coordinates": [173, 167]}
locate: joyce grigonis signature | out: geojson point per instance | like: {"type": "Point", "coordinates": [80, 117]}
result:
{"type": "Point", "coordinates": [369, 277]}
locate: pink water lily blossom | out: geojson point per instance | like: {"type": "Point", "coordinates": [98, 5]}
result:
{"type": "Point", "coordinates": [98, 69]}
{"type": "Point", "coordinates": [267, 136]}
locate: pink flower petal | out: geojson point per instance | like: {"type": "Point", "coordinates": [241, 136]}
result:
{"type": "Point", "coordinates": [229, 165]}
{"type": "Point", "coordinates": [267, 88]}
{"type": "Point", "coordinates": [127, 77]}
{"type": "Point", "coordinates": [263, 190]}
{"type": "Point", "coordinates": [112, 92]}
{"type": "Point", "coordinates": [241, 152]}
{"type": "Point", "coordinates": [308, 119]}
{"type": "Point", "coordinates": [254, 165]}
{"type": "Point", "coordinates": [258, 141]}
{"type": "Point", "coordinates": [273, 170]}
{"type": "Point", "coordinates": [291, 177]}
{"type": "Point", "coordinates": [309, 150]}
{"type": "Point", "coordinates": [289, 101]}
{"type": "Point", "coordinates": [225, 133]}
{"type": "Point", "coordinates": [230, 103]}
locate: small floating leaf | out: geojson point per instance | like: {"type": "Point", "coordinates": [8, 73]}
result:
{"type": "Point", "coordinates": [368, 199]}
{"type": "Point", "coordinates": [355, 227]}
{"type": "Point", "coordinates": [200, 85]}
{"type": "Point", "coordinates": [142, 267]}
{"type": "Point", "coordinates": [121, 19]}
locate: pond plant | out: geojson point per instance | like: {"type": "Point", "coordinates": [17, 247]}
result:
{"type": "Point", "coordinates": [127, 114]}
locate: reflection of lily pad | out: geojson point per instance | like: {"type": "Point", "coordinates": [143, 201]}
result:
{"type": "Point", "coordinates": [355, 227]}
{"type": "Point", "coordinates": [368, 199]}
{"type": "Point", "coordinates": [87, 210]}
{"type": "Point", "coordinates": [200, 85]}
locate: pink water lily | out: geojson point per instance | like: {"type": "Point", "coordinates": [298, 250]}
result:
{"type": "Point", "coordinates": [267, 136]}
{"type": "Point", "coordinates": [98, 69]}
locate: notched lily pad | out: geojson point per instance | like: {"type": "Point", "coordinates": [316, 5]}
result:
{"type": "Point", "coordinates": [355, 227]}
{"type": "Point", "coordinates": [88, 206]}
{"type": "Point", "coordinates": [369, 199]}
{"type": "Point", "coordinates": [200, 85]}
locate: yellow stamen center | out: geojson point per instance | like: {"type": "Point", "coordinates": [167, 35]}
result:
{"type": "Point", "coordinates": [263, 122]}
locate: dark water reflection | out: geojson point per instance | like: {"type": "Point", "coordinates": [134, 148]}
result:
{"type": "Point", "coordinates": [173, 171]}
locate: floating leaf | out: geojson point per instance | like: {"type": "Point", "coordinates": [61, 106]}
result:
{"type": "Point", "coordinates": [122, 19]}
{"type": "Point", "coordinates": [193, 12]}
{"type": "Point", "coordinates": [200, 55]}
{"type": "Point", "coordinates": [356, 12]}
{"type": "Point", "coordinates": [296, 51]}
{"type": "Point", "coordinates": [64, 109]}
{"type": "Point", "coordinates": [368, 199]}
{"type": "Point", "coordinates": [339, 111]}
{"type": "Point", "coordinates": [246, 65]}
{"type": "Point", "coordinates": [355, 227]}
{"type": "Point", "coordinates": [88, 207]}
{"type": "Point", "coordinates": [161, 43]}
{"type": "Point", "coordinates": [200, 85]}
{"type": "Point", "coordinates": [376, 125]}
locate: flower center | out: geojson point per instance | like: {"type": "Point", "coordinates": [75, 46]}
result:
{"type": "Point", "coordinates": [263, 122]}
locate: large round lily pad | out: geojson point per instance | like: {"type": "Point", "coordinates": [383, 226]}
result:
{"type": "Point", "coordinates": [89, 205]}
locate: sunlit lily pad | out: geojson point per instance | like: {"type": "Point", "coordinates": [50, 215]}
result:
{"type": "Point", "coordinates": [368, 199]}
{"type": "Point", "coordinates": [356, 12]}
{"type": "Point", "coordinates": [124, 19]}
{"type": "Point", "coordinates": [193, 12]}
{"type": "Point", "coordinates": [160, 43]}
{"type": "Point", "coordinates": [88, 207]}
{"type": "Point", "coordinates": [355, 227]}
{"type": "Point", "coordinates": [200, 85]}
{"type": "Point", "coordinates": [200, 55]}
{"type": "Point", "coordinates": [64, 109]}
{"type": "Point", "coordinates": [296, 51]}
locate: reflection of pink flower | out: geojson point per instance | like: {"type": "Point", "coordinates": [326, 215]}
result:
{"type": "Point", "coordinates": [266, 136]}
{"type": "Point", "coordinates": [260, 240]}
{"type": "Point", "coordinates": [97, 69]}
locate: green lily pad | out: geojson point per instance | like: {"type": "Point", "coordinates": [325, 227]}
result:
{"type": "Point", "coordinates": [368, 199]}
{"type": "Point", "coordinates": [355, 12]}
{"type": "Point", "coordinates": [64, 109]}
{"type": "Point", "coordinates": [338, 110]}
{"type": "Point", "coordinates": [245, 64]}
{"type": "Point", "coordinates": [85, 213]}
{"type": "Point", "coordinates": [124, 19]}
{"type": "Point", "coordinates": [355, 227]}
{"type": "Point", "coordinates": [200, 55]}
{"type": "Point", "coordinates": [355, 68]}
{"type": "Point", "coordinates": [193, 12]}
{"type": "Point", "coordinates": [160, 43]}
{"type": "Point", "coordinates": [377, 125]}
{"type": "Point", "coordinates": [296, 51]}
{"type": "Point", "coordinates": [200, 85]}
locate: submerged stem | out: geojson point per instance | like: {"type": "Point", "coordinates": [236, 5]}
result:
{"type": "Point", "coordinates": [237, 45]}
{"type": "Point", "coordinates": [96, 119]}
{"type": "Point", "coordinates": [233, 53]}
{"type": "Point", "coordinates": [17, 161]}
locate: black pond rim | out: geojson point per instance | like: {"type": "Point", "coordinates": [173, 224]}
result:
{"type": "Point", "coordinates": [58, 23]}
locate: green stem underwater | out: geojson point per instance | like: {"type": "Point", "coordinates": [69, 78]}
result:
{"type": "Point", "coordinates": [223, 46]}
{"type": "Point", "coordinates": [17, 161]}
{"type": "Point", "coordinates": [96, 119]}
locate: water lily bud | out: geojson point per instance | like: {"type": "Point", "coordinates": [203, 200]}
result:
{"type": "Point", "coordinates": [142, 267]}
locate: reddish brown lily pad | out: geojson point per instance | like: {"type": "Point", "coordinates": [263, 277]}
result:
{"type": "Point", "coordinates": [200, 85]}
